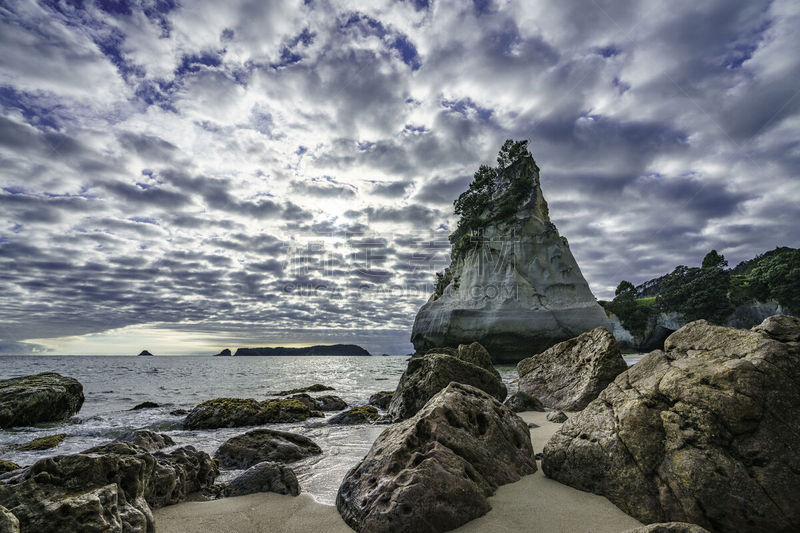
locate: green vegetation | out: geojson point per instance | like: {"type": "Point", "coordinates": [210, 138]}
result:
{"type": "Point", "coordinates": [43, 443]}
{"type": "Point", "coordinates": [474, 205]}
{"type": "Point", "coordinates": [712, 291]}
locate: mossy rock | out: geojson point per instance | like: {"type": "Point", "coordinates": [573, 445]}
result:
{"type": "Point", "coordinates": [43, 443]}
{"type": "Point", "coordinates": [236, 412]}
{"type": "Point", "coordinates": [145, 405]}
{"type": "Point", "coordinates": [30, 400]}
{"type": "Point", "coordinates": [362, 414]}
{"type": "Point", "coordinates": [8, 466]}
{"type": "Point", "coordinates": [287, 410]}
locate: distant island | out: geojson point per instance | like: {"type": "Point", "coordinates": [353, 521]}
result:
{"type": "Point", "coordinates": [145, 352]}
{"type": "Point", "coordinates": [224, 353]}
{"type": "Point", "coordinates": [331, 349]}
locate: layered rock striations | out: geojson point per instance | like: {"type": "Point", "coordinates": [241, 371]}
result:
{"type": "Point", "coordinates": [513, 284]}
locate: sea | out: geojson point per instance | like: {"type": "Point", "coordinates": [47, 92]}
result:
{"type": "Point", "coordinates": [112, 385]}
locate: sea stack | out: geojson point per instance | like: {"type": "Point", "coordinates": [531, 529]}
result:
{"type": "Point", "coordinates": [145, 352]}
{"type": "Point", "coordinates": [513, 284]}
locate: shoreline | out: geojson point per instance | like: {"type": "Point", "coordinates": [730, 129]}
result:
{"type": "Point", "coordinates": [534, 503]}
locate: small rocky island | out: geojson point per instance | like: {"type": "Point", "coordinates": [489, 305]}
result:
{"type": "Point", "coordinates": [512, 284]}
{"type": "Point", "coordinates": [145, 353]}
{"type": "Point", "coordinates": [330, 349]}
{"type": "Point", "coordinates": [224, 353]}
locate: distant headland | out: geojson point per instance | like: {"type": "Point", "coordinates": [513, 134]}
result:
{"type": "Point", "coordinates": [331, 349]}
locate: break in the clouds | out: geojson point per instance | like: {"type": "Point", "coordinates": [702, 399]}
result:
{"type": "Point", "coordinates": [283, 172]}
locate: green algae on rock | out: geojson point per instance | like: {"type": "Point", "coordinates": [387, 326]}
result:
{"type": "Point", "coordinates": [47, 397]}
{"type": "Point", "coordinates": [236, 412]}
{"type": "Point", "coordinates": [43, 443]}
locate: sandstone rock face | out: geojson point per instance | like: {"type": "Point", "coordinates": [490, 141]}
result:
{"type": "Point", "coordinates": [428, 374]}
{"type": "Point", "coordinates": [435, 471]}
{"type": "Point", "coordinates": [106, 488]}
{"type": "Point", "coordinates": [517, 291]}
{"type": "Point", "coordinates": [264, 477]}
{"type": "Point", "coordinates": [237, 412]}
{"type": "Point", "coordinates": [705, 432]}
{"type": "Point", "coordinates": [572, 373]}
{"type": "Point", "coordinates": [47, 397]}
{"type": "Point", "coordinates": [258, 445]}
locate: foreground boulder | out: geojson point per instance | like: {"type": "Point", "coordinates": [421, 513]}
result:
{"type": "Point", "coordinates": [572, 373]}
{"type": "Point", "coordinates": [264, 477]}
{"type": "Point", "coordinates": [237, 412]}
{"type": "Point", "coordinates": [428, 374]}
{"type": "Point", "coordinates": [436, 470]}
{"type": "Point", "coordinates": [106, 488]}
{"type": "Point", "coordinates": [258, 445]}
{"type": "Point", "coordinates": [47, 397]}
{"type": "Point", "coordinates": [705, 432]}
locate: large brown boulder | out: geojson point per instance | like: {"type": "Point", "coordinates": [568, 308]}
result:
{"type": "Point", "coordinates": [427, 375]}
{"type": "Point", "coordinates": [107, 488]}
{"type": "Point", "coordinates": [572, 373]}
{"type": "Point", "coordinates": [47, 397]}
{"type": "Point", "coordinates": [258, 445]}
{"type": "Point", "coordinates": [435, 471]}
{"type": "Point", "coordinates": [705, 432]}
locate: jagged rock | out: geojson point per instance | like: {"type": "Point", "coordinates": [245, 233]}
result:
{"type": "Point", "coordinates": [522, 401]}
{"type": "Point", "coordinates": [224, 353]}
{"type": "Point", "coordinates": [8, 466]}
{"type": "Point", "coordinates": [361, 414]}
{"type": "Point", "coordinates": [317, 387]}
{"type": "Point", "coordinates": [704, 432]}
{"type": "Point", "coordinates": [264, 477]}
{"type": "Point", "coordinates": [572, 373]}
{"type": "Point", "coordinates": [258, 445]}
{"type": "Point", "coordinates": [436, 470]}
{"type": "Point", "coordinates": [237, 412]}
{"type": "Point", "coordinates": [47, 397]}
{"type": "Point", "coordinates": [427, 375]}
{"type": "Point", "coordinates": [43, 443]}
{"type": "Point", "coordinates": [329, 402]}
{"type": "Point", "coordinates": [669, 527]}
{"type": "Point", "coordinates": [145, 405]}
{"type": "Point", "coordinates": [381, 399]}
{"type": "Point", "coordinates": [148, 440]}
{"type": "Point", "coordinates": [557, 417]}
{"type": "Point", "coordinates": [107, 488]}
{"type": "Point", "coordinates": [517, 290]}
{"type": "Point", "coordinates": [8, 522]}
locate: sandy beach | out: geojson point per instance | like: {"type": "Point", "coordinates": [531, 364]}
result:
{"type": "Point", "coordinates": [534, 504]}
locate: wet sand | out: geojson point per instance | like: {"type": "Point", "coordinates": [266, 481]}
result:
{"type": "Point", "coordinates": [533, 504]}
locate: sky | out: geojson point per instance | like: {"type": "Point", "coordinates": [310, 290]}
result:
{"type": "Point", "coordinates": [189, 176]}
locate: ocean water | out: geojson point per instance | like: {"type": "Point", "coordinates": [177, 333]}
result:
{"type": "Point", "coordinates": [114, 384]}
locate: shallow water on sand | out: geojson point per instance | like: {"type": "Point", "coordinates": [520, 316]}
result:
{"type": "Point", "coordinates": [112, 385]}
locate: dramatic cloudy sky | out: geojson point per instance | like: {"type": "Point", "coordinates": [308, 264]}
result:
{"type": "Point", "coordinates": [186, 176]}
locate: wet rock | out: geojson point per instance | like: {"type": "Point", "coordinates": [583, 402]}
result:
{"type": "Point", "coordinates": [522, 401]}
{"type": "Point", "coordinates": [572, 373]}
{"type": "Point", "coordinates": [557, 417]}
{"type": "Point", "coordinates": [8, 522]}
{"type": "Point", "coordinates": [669, 527]}
{"type": "Point", "coordinates": [701, 432]}
{"type": "Point", "coordinates": [317, 387]}
{"type": "Point", "coordinates": [264, 477]}
{"type": "Point", "coordinates": [47, 397]}
{"type": "Point", "coordinates": [237, 412]}
{"type": "Point", "coordinates": [381, 399]}
{"type": "Point", "coordinates": [107, 488]}
{"type": "Point", "coordinates": [306, 400]}
{"type": "Point", "coordinates": [145, 405]}
{"type": "Point", "coordinates": [427, 375]}
{"type": "Point", "coordinates": [179, 412]}
{"type": "Point", "coordinates": [329, 402]}
{"type": "Point", "coordinates": [43, 443]}
{"type": "Point", "coordinates": [362, 414]}
{"type": "Point", "coordinates": [147, 440]}
{"type": "Point", "coordinates": [435, 471]}
{"type": "Point", "coordinates": [8, 466]}
{"type": "Point", "coordinates": [258, 445]}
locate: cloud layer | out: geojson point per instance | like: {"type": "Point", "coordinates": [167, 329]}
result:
{"type": "Point", "coordinates": [284, 172]}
